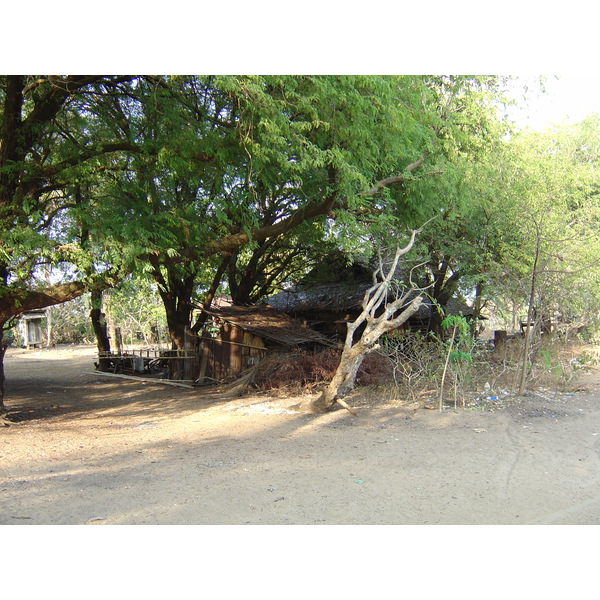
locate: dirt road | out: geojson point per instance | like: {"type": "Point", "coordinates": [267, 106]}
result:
{"type": "Point", "coordinates": [94, 450]}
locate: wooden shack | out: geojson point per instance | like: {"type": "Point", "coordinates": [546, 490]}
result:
{"type": "Point", "coordinates": [30, 328]}
{"type": "Point", "coordinates": [238, 337]}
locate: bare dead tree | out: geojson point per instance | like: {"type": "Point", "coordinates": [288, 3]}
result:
{"type": "Point", "coordinates": [375, 325]}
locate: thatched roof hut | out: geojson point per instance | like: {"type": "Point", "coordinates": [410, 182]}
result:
{"type": "Point", "coordinates": [328, 307]}
{"type": "Point", "coordinates": [243, 335]}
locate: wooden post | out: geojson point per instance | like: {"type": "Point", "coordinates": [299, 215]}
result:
{"type": "Point", "coordinates": [204, 362]}
{"type": "Point", "coordinates": [191, 361]}
{"type": "Point", "coordinates": [49, 342]}
{"type": "Point", "coordinates": [118, 340]}
{"type": "Point", "coordinates": [236, 349]}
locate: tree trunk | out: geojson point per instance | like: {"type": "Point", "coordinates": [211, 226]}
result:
{"type": "Point", "coordinates": [210, 294]}
{"type": "Point", "coordinates": [175, 290]}
{"type": "Point", "coordinates": [110, 321]}
{"type": "Point", "coordinates": [478, 306]}
{"type": "Point", "coordinates": [444, 287]}
{"type": "Point", "coordinates": [528, 330]}
{"type": "Point", "coordinates": [375, 325]}
{"type": "Point", "coordinates": [100, 330]}
{"type": "Point", "coordinates": [3, 347]}
{"type": "Point", "coordinates": [178, 319]}
{"type": "Point", "coordinates": [343, 380]}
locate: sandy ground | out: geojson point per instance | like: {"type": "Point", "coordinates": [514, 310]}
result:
{"type": "Point", "coordinates": [93, 450]}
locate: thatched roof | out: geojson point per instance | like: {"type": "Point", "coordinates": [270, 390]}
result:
{"type": "Point", "coordinates": [345, 297]}
{"type": "Point", "coordinates": [331, 297]}
{"type": "Point", "coordinates": [456, 306]}
{"type": "Point", "coordinates": [268, 323]}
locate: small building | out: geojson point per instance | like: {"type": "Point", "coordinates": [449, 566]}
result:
{"type": "Point", "coordinates": [240, 336]}
{"type": "Point", "coordinates": [331, 296]}
{"type": "Point", "coordinates": [30, 328]}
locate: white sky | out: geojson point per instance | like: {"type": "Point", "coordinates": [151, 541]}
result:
{"type": "Point", "coordinates": [268, 36]}
{"type": "Point", "coordinates": [568, 98]}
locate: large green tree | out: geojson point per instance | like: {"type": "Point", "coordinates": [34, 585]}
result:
{"type": "Point", "coordinates": [239, 162]}
{"type": "Point", "coordinates": [346, 153]}
{"type": "Point", "coordinates": [460, 245]}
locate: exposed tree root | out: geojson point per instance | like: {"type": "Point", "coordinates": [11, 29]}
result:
{"type": "Point", "coordinates": [350, 410]}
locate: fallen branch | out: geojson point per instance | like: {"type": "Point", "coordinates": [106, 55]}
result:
{"type": "Point", "coordinates": [240, 385]}
{"type": "Point", "coordinates": [142, 379]}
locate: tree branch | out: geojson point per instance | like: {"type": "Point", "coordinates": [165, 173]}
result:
{"type": "Point", "coordinates": [19, 301]}
{"type": "Point", "coordinates": [383, 183]}
{"type": "Point", "coordinates": [233, 241]}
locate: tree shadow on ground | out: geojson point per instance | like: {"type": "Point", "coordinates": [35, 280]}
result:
{"type": "Point", "coordinates": [30, 400]}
